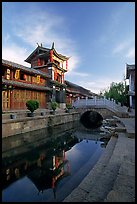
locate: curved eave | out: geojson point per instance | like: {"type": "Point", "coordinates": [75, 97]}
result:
{"type": "Point", "coordinates": [25, 85]}
{"type": "Point", "coordinates": [54, 64]}
{"type": "Point", "coordinates": [29, 58]}
{"type": "Point", "coordinates": [57, 83]}
{"type": "Point", "coordinates": [31, 71]}
{"type": "Point", "coordinates": [62, 57]}
{"type": "Point", "coordinates": [129, 69]}
{"type": "Point", "coordinates": [131, 93]}
{"type": "Point", "coordinates": [73, 92]}
{"type": "Point", "coordinates": [80, 93]}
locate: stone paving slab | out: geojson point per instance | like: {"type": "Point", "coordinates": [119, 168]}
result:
{"type": "Point", "coordinates": [129, 123]}
{"type": "Point", "coordinates": [117, 196]}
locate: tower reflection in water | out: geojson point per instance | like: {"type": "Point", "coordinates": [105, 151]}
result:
{"type": "Point", "coordinates": [45, 166]}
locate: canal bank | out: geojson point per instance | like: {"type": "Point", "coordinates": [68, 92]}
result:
{"type": "Point", "coordinates": [23, 124]}
{"type": "Point", "coordinates": [112, 179]}
{"type": "Point", "coordinates": [18, 122]}
{"type": "Point", "coordinates": [65, 153]}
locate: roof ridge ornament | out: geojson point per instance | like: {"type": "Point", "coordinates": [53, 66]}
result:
{"type": "Point", "coordinates": [52, 46]}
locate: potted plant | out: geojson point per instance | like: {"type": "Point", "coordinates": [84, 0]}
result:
{"type": "Point", "coordinates": [54, 106]}
{"type": "Point", "coordinates": [32, 105]}
{"type": "Point", "coordinates": [68, 107]}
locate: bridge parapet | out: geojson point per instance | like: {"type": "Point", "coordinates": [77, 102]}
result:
{"type": "Point", "coordinates": [103, 103]}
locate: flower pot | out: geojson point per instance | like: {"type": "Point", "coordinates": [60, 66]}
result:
{"type": "Point", "coordinates": [30, 114]}
{"type": "Point", "coordinates": [12, 116]}
{"type": "Point", "coordinates": [67, 110]}
{"type": "Point", "coordinates": [52, 112]}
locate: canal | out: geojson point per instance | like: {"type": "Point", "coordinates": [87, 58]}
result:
{"type": "Point", "coordinates": [46, 165]}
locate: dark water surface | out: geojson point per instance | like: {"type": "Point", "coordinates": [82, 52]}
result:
{"type": "Point", "coordinates": [46, 165]}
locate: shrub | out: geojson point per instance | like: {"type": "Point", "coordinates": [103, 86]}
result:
{"type": "Point", "coordinates": [68, 105]}
{"type": "Point", "coordinates": [32, 105]}
{"type": "Point", "coordinates": [54, 105]}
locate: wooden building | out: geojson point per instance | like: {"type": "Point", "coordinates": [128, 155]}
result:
{"type": "Point", "coordinates": [44, 81]}
{"type": "Point", "coordinates": [50, 62]}
{"type": "Point", "coordinates": [74, 91]}
{"type": "Point", "coordinates": [20, 83]}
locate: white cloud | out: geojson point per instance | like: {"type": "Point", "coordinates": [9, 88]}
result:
{"type": "Point", "coordinates": [96, 84]}
{"type": "Point", "coordinates": [131, 53]}
{"type": "Point", "coordinates": [15, 54]}
{"type": "Point", "coordinates": [6, 38]}
{"type": "Point", "coordinates": [41, 26]}
{"type": "Point", "coordinates": [120, 47]}
{"type": "Point", "coordinates": [74, 73]}
{"type": "Point", "coordinates": [46, 29]}
{"type": "Point", "coordinates": [126, 49]}
{"type": "Point", "coordinates": [111, 26]}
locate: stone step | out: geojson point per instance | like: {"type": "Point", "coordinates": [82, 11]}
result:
{"type": "Point", "coordinates": [123, 189]}
{"type": "Point", "coordinates": [124, 185]}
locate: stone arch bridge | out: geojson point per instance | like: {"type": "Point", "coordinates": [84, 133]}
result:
{"type": "Point", "coordinates": [106, 108]}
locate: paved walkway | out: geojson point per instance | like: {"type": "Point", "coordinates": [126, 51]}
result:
{"type": "Point", "coordinates": [113, 177]}
{"type": "Point", "coordinates": [129, 123]}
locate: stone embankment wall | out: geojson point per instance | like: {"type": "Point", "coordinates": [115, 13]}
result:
{"type": "Point", "coordinates": [22, 125]}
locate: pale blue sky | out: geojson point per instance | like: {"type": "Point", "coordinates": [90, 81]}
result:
{"type": "Point", "coordinates": [99, 37]}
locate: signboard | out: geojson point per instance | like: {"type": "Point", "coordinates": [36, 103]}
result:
{"type": "Point", "coordinates": [17, 74]}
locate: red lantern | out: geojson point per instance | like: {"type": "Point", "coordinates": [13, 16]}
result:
{"type": "Point", "coordinates": [51, 54]}
{"type": "Point", "coordinates": [56, 162]}
{"type": "Point", "coordinates": [62, 78]}
{"type": "Point", "coordinates": [25, 76]}
{"type": "Point", "coordinates": [66, 64]}
{"type": "Point", "coordinates": [55, 74]}
{"type": "Point", "coordinates": [38, 62]}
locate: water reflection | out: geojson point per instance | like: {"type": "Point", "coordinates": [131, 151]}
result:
{"type": "Point", "coordinates": [45, 163]}
{"type": "Point", "coordinates": [56, 162]}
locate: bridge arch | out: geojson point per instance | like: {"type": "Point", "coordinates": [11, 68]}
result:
{"type": "Point", "coordinates": [91, 119]}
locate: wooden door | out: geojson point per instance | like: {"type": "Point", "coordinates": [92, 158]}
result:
{"type": "Point", "coordinates": [6, 100]}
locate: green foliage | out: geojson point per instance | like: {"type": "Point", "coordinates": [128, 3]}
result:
{"type": "Point", "coordinates": [119, 92]}
{"type": "Point", "coordinates": [68, 105]}
{"type": "Point", "coordinates": [54, 105]}
{"type": "Point", "coordinates": [32, 105]}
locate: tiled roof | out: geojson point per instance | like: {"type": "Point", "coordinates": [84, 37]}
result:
{"type": "Point", "coordinates": [79, 88]}
{"type": "Point", "coordinates": [25, 85]}
{"type": "Point", "coordinates": [24, 68]}
{"type": "Point", "coordinates": [36, 50]}
{"type": "Point", "coordinates": [44, 50]}
{"type": "Point", "coordinates": [72, 91]}
{"type": "Point", "coordinates": [129, 68]}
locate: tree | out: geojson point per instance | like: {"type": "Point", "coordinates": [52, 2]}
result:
{"type": "Point", "coordinates": [119, 92]}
